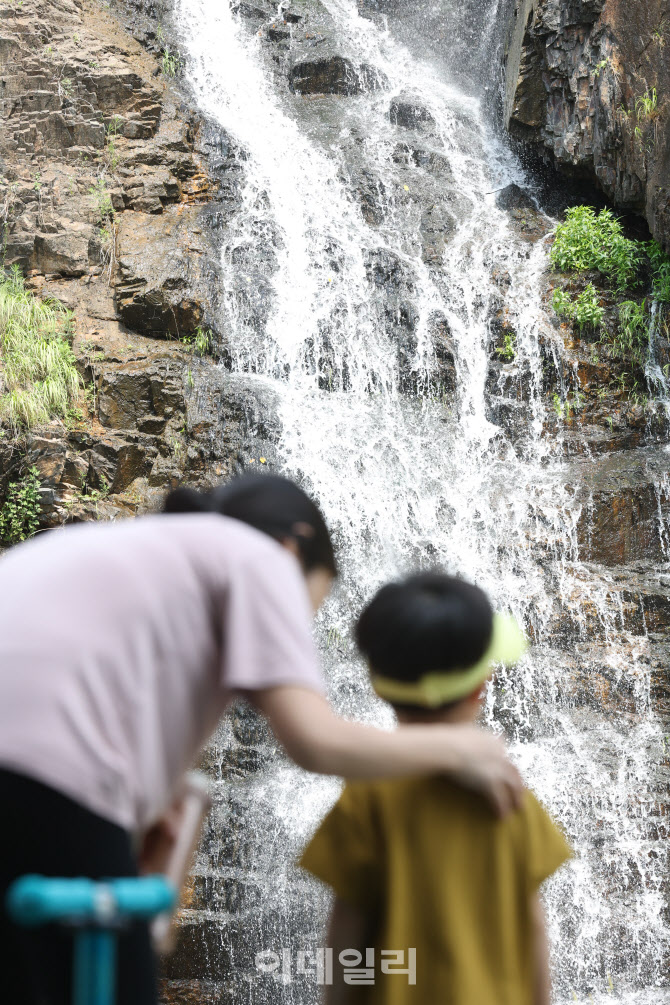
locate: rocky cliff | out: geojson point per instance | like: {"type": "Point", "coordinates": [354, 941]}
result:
{"type": "Point", "coordinates": [110, 192]}
{"type": "Point", "coordinates": [586, 86]}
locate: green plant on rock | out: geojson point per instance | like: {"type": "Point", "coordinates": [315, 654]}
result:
{"type": "Point", "coordinates": [638, 395]}
{"type": "Point", "coordinates": [38, 365]}
{"type": "Point", "coordinates": [202, 341]}
{"type": "Point", "coordinates": [561, 407]}
{"type": "Point", "coordinates": [658, 34]}
{"type": "Point", "coordinates": [588, 312]}
{"type": "Point", "coordinates": [507, 350]}
{"type": "Point", "coordinates": [590, 240]}
{"type": "Point", "coordinates": [601, 66]}
{"type": "Point", "coordinates": [111, 152]}
{"type": "Point", "coordinates": [632, 339]}
{"type": "Point", "coordinates": [621, 381]}
{"type": "Point", "coordinates": [20, 513]}
{"type": "Point", "coordinates": [660, 272]}
{"type": "Point", "coordinates": [103, 202]}
{"type": "Point", "coordinates": [562, 304]}
{"type": "Point", "coordinates": [646, 106]}
{"type": "Point", "coordinates": [585, 310]}
{"type": "Point", "coordinates": [171, 63]}
{"type": "Point", "coordinates": [199, 343]}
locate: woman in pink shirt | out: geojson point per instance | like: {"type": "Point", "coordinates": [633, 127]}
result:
{"type": "Point", "coordinates": [121, 646]}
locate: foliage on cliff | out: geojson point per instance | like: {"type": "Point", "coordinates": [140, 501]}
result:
{"type": "Point", "coordinates": [20, 513]}
{"type": "Point", "coordinates": [595, 244]}
{"type": "Point", "coordinates": [590, 240]}
{"type": "Point", "coordinates": [38, 366]}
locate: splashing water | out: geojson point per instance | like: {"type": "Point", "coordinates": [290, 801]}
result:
{"type": "Point", "coordinates": [371, 336]}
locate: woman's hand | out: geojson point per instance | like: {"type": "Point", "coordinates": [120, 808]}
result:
{"type": "Point", "coordinates": [318, 740]}
{"type": "Point", "coordinates": [484, 766]}
{"type": "Point", "coordinates": [159, 841]}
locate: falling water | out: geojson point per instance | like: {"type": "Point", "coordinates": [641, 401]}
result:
{"type": "Point", "coordinates": [342, 303]}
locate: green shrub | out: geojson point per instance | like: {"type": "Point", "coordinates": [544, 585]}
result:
{"type": "Point", "coordinates": [585, 310]}
{"type": "Point", "coordinates": [588, 312]}
{"type": "Point", "coordinates": [632, 339]}
{"type": "Point", "coordinates": [590, 240]}
{"type": "Point", "coordinates": [38, 365]}
{"type": "Point", "coordinates": [507, 350]}
{"type": "Point", "coordinates": [20, 514]}
{"type": "Point", "coordinates": [660, 272]}
{"type": "Point", "coordinates": [562, 304]}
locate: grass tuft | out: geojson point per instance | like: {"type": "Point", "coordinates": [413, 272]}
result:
{"type": "Point", "coordinates": [38, 366]}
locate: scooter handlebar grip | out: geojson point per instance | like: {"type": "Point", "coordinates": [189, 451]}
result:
{"type": "Point", "coordinates": [37, 900]}
{"type": "Point", "coordinates": [143, 897]}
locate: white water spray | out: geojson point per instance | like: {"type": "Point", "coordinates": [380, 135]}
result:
{"type": "Point", "coordinates": [411, 476]}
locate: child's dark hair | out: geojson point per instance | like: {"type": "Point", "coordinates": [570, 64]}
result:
{"type": "Point", "coordinates": [272, 504]}
{"type": "Point", "coordinates": [425, 623]}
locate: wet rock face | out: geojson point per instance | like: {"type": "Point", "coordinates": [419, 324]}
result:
{"type": "Point", "coordinates": [623, 504]}
{"type": "Point", "coordinates": [332, 75]}
{"type": "Point", "coordinates": [581, 78]}
{"type": "Point", "coordinates": [112, 193]}
{"type": "Point", "coordinates": [161, 288]}
{"type": "Point", "coordinates": [408, 113]}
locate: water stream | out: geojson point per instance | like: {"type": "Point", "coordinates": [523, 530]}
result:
{"type": "Point", "coordinates": [371, 338]}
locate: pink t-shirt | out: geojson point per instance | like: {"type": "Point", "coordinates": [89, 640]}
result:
{"type": "Point", "coordinates": [122, 644]}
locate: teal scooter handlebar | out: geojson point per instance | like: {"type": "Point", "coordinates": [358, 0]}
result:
{"type": "Point", "coordinates": [36, 900]}
{"type": "Point", "coordinates": [96, 910]}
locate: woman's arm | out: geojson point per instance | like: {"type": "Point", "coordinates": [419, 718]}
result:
{"type": "Point", "coordinates": [319, 740]}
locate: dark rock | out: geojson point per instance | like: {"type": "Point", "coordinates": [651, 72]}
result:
{"type": "Point", "coordinates": [64, 254]}
{"type": "Point", "coordinates": [370, 191]}
{"type": "Point", "coordinates": [444, 353]}
{"type": "Point", "coordinates": [137, 396]}
{"type": "Point", "coordinates": [436, 164]}
{"type": "Point", "coordinates": [162, 288]}
{"type": "Point", "coordinates": [514, 197]}
{"type": "Point", "coordinates": [409, 114]}
{"type": "Point", "coordinates": [19, 249]}
{"type": "Point", "coordinates": [195, 992]}
{"type": "Point", "coordinates": [279, 34]}
{"type": "Point", "coordinates": [256, 11]}
{"type": "Point", "coordinates": [437, 226]}
{"type": "Point", "coordinates": [332, 74]}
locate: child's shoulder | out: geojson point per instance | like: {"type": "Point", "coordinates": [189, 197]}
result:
{"type": "Point", "coordinates": [397, 795]}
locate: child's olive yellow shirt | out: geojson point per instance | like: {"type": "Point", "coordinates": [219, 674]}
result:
{"type": "Point", "coordinates": [432, 868]}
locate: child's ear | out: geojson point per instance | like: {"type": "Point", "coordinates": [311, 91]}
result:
{"type": "Point", "coordinates": [478, 694]}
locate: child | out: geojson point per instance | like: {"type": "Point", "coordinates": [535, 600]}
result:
{"type": "Point", "coordinates": [422, 871]}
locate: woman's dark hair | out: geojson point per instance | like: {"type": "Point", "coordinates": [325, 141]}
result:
{"type": "Point", "coordinates": [424, 623]}
{"type": "Point", "coordinates": [274, 505]}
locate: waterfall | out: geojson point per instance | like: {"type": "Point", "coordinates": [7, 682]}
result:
{"type": "Point", "coordinates": [362, 277]}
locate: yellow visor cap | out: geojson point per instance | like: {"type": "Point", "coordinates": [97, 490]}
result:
{"type": "Point", "coordinates": [440, 687]}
